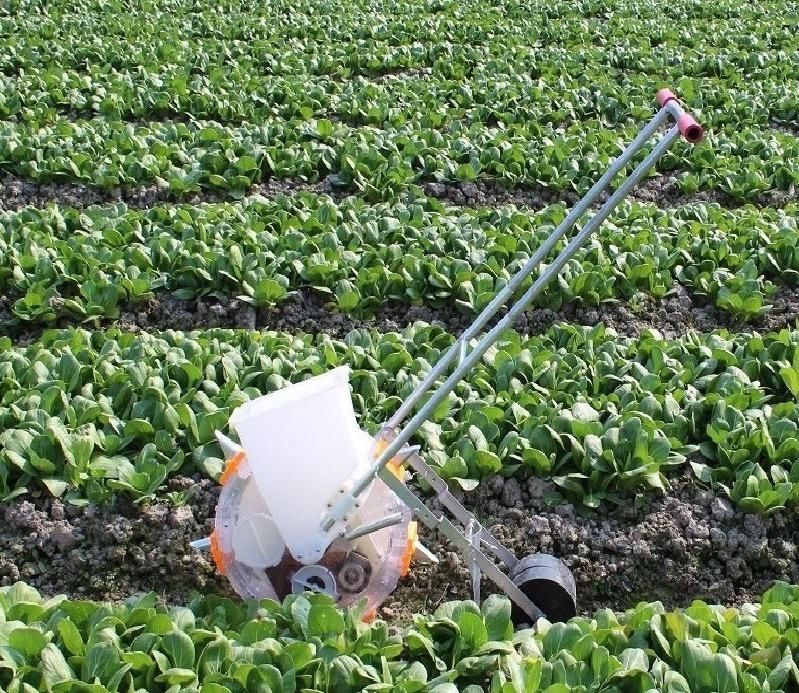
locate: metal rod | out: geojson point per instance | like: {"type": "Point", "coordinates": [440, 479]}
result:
{"type": "Point", "coordinates": [473, 535]}
{"type": "Point", "coordinates": [458, 349]}
{"type": "Point", "coordinates": [382, 523]}
{"type": "Point", "coordinates": [454, 506]}
{"type": "Point", "coordinates": [492, 335]}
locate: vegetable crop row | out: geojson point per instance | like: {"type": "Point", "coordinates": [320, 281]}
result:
{"type": "Point", "coordinates": [215, 645]}
{"type": "Point", "coordinates": [742, 162]}
{"type": "Point", "coordinates": [89, 415]}
{"type": "Point", "coordinates": [87, 265]}
{"type": "Point", "coordinates": [309, 37]}
{"type": "Point", "coordinates": [498, 94]}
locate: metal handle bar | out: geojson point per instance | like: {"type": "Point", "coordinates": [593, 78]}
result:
{"type": "Point", "coordinates": [692, 133]}
{"type": "Point", "coordinates": [686, 127]}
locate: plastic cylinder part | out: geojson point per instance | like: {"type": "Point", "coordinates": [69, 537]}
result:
{"type": "Point", "coordinates": [302, 444]}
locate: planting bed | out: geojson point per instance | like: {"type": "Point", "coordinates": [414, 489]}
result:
{"type": "Point", "coordinates": [200, 204]}
{"type": "Point", "coordinates": [686, 545]}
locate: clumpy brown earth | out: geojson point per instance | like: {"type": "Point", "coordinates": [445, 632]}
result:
{"type": "Point", "coordinates": [111, 552]}
{"type": "Point", "coordinates": [308, 312]}
{"type": "Point", "coordinates": [16, 193]}
{"type": "Point", "coordinates": [662, 190]}
{"type": "Point", "coordinates": [688, 544]}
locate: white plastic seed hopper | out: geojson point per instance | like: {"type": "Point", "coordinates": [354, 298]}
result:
{"type": "Point", "coordinates": [312, 502]}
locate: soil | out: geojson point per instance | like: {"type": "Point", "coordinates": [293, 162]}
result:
{"type": "Point", "coordinates": [662, 190]}
{"type": "Point", "coordinates": [17, 193]}
{"type": "Point", "coordinates": [307, 311]}
{"type": "Point", "coordinates": [688, 544]}
{"type": "Point", "coordinates": [111, 552]}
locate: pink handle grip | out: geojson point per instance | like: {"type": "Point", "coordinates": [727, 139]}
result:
{"type": "Point", "coordinates": [690, 130]}
{"type": "Point", "coordinates": [664, 96]}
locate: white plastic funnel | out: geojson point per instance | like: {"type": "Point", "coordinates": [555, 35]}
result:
{"type": "Point", "coordinates": [302, 443]}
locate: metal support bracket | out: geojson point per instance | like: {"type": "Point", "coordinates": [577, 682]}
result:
{"type": "Point", "coordinates": [473, 537]}
{"type": "Point", "coordinates": [444, 526]}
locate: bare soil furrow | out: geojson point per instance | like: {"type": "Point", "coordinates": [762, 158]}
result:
{"type": "Point", "coordinates": [683, 545]}
{"type": "Point", "coordinates": [686, 545]}
{"type": "Point", "coordinates": [307, 311]}
{"type": "Point", "coordinates": [17, 193]}
{"type": "Point", "coordinates": [662, 190]}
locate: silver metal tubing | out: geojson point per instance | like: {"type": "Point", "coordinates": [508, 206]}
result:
{"type": "Point", "coordinates": [445, 497]}
{"type": "Point", "coordinates": [492, 335]}
{"type": "Point", "coordinates": [382, 523]}
{"type": "Point", "coordinates": [458, 348]}
{"type": "Point", "coordinates": [473, 536]}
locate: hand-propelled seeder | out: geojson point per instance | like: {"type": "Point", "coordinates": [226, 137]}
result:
{"type": "Point", "coordinates": [312, 502]}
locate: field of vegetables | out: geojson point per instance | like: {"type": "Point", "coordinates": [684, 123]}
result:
{"type": "Point", "coordinates": [203, 202]}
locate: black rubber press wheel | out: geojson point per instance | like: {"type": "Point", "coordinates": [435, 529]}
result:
{"type": "Point", "coordinates": [549, 584]}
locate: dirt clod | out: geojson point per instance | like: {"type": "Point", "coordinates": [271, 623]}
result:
{"type": "Point", "coordinates": [112, 552]}
{"type": "Point", "coordinates": [673, 548]}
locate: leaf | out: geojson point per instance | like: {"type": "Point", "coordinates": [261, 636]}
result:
{"type": "Point", "coordinates": [28, 641]}
{"type": "Point", "coordinates": [786, 668]}
{"type": "Point", "coordinates": [584, 412]}
{"type": "Point", "coordinates": [215, 657]}
{"type": "Point", "coordinates": [71, 637]}
{"type": "Point", "coordinates": [176, 676]}
{"type": "Point", "coordinates": [160, 624]}
{"type": "Point", "coordinates": [540, 462]}
{"type": "Point", "coordinates": [325, 620]}
{"type": "Point", "coordinates": [473, 630]}
{"type": "Point", "coordinates": [560, 636]}
{"type": "Point", "coordinates": [178, 646]}
{"type": "Point", "coordinates": [139, 661]}
{"type": "Point", "coordinates": [634, 659]}
{"type": "Point", "coordinates": [487, 462]}
{"type": "Point", "coordinates": [102, 662]}
{"type": "Point", "coordinates": [764, 634]}
{"type": "Point", "coordinates": [791, 379]}
{"type": "Point", "coordinates": [54, 667]}
{"type": "Point", "coordinates": [56, 487]}
{"type": "Point", "coordinates": [706, 671]}
{"type": "Point", "coordinates": [246, 164]}
{"type": "Point", "coordinates": [135, 427]}
{"type": "Point", "coordinates": [268, 292]}
{"type": "Point", "coordinates": [496, 610]}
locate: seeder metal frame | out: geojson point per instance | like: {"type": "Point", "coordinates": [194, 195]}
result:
{"type": "Point", "coordinates": [474, 540]}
